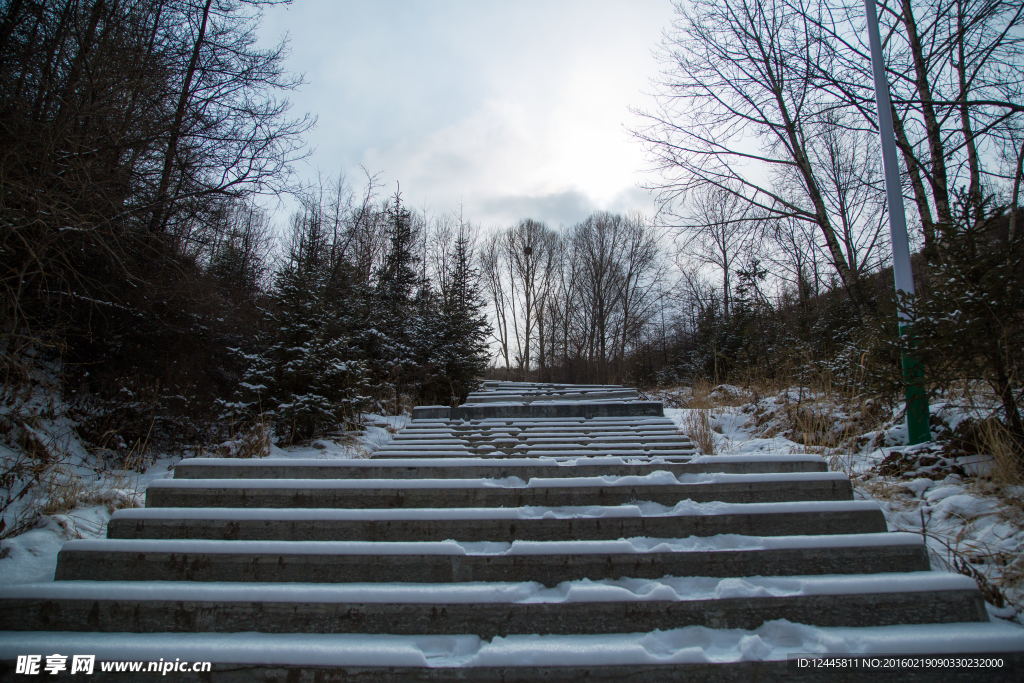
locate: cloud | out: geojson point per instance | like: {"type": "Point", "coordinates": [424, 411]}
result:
{"type": "Point", "coordinates": [510, 114]}
{"type": "Point", "coordinates": [558, 208]}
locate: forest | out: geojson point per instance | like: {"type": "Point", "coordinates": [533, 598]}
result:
{"type": "Point", "coordinates": [144, 279]}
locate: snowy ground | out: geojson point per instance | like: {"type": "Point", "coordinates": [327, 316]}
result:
{"type": "Point", "coordinates": [75, 497]}
{"type": "Point", "coordinates": [971, 525]}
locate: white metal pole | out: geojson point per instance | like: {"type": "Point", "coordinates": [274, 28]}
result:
{"type": "Point", "coordinates": [893, 187]}
{"type": "Point", "coordinates": [918, 428]}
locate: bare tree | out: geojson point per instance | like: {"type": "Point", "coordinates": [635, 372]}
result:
{"type": "Point", "coordinates": [954, 72]}
{"type": "Point", "coordinates": [737, 106]}
{"type": "Point", "coordinates": [642, 272]}
{"type": "Point", "coordinates": [531, 248]}
{"type": "Point", "coordinates": [716, 229]}
{"type": "Point", "coordinates": [492, 271]}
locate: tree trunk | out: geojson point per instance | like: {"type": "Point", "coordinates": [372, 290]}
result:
{"type": "Point", "coordinates": [160, 211]}
{"type": "Point", "coordinates": [848, 277]}
{"type": "Point", "coordinates": [920, 197]}
{"type": "Point", "coordinates": [1004, 388]}
{"type": "Point", "coordinates": [938, 177]}
{"type": "Point", "coordinates": [1014, 200]}
{"type": "Point", "coordinates": [974, 190]}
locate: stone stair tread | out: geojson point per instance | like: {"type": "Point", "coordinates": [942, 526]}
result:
{"type": "Point", "coordinates": [553, 409]}
{"type": "Point", "coordinates": [461, 467]}
{"type": "Point", "coordinates": [689, 653]}
{"type": "Point", "coordinates": [537, 453]}
{"type": "Point", "coordinates": [554, 492]}
{"type": "Point", "coordinates": [549, 563]}
{"type": "Point", "coordinates": [526, 450]}
{"type": "Point", "coordinates": [564, 437]}
{"type": "Point", "coordinates": [678, 589]}
{"type": "Point", "coordinates": [656, 478]}
{"type": "Point", "coordinates": [492, 609]}
{"type": "Point", "coordinates": [635, 546]}
{"type": "Point", "coordinates": [502, 524]}
{"type": "Point", "coordinates": [711, 509]}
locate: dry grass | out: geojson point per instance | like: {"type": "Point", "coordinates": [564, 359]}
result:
{"type": "Point", "coordinates": [1006, 465]}
{"type": "Point", "coordinates": [46, 483]}
{"type": "Point", "coordinates": [250, 441]}
{"type": "Point", "coordinates": [706, 395]}
{"type": "Point", "coordinates": [697, 426]}
{"type": "Point", "coordinates": [976, 560]}
{"type": "Point", "coordinates": [830, 419]}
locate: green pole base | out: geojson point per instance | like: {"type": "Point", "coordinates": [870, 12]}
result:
{"type": "Point", "coordinates": [918, 426]}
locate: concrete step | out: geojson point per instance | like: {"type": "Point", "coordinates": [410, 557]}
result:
{"type": "Point", "coordinates": [559, 424]}
{"type": "Point", "coordinates": [533, 453]}
{"type": "Point", "coordinates": [539, 436]}
{"type": "Point", "coordinates": [469, 468]}
{"type": "Point", "coordinates": [530, 439]}
{"type": "Point", "coordinates": [519, 389]}
{"type": "Point", "coordinates": [463, 493]}
{"type": "Point", "coordinates": [655, 422]}
{"type": "Point", "coordinates": [561, 434]}
{"type": "Point", "coordinates": [559, 445]}
{"type": "Point", "coordinates": [484, 398]}
{"type": "Point", "coordinates": [498, 524]}
{"type": "Point", "coordinates": [447, 562]}
{"type": "Point", "coordinates": [676, 656]}
{"type": "Point", "coordinates": [538, 452]}
{"type": "Point", "coordinates": [454, 430]}
{"type": "Point", "coordinates": [456, 609]}
{"type": "Point", "coordinates": [546, 410]}
{"type": "Point", "coordinates": [548, 389]}
{"type": "Point", "coordinates": [566, 435]}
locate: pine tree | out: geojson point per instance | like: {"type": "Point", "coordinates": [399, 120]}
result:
{"type": "Point", "coordinates": [970, 324]}
{"type": "Point", "coordinates": [462, 354]}
{"type": "Point", "coordinates": [392, 349]}
{"type": "Point", "coordinates": [310, 378]}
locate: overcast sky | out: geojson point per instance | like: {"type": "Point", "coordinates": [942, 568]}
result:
{"type": "Point", "coordinates": [515, 109]}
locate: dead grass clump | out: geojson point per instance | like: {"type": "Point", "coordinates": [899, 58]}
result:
{"type": "Point", "coordinates": [61, 493]}
{"type": "Point", "coordinates": [827, 421]}
{"type": "Point", "coordinates": [697, 426]}
{"type": "Point", "coordinates": [64, 490]}
{"type": "Point", "coordinates": [1006, 461]}
{"type": "Point", "coordinates": [251, 441]}
{"type": "Point", "coordinates": [39, 455]}
{"type": "Point", "coordinates": [997, 573]}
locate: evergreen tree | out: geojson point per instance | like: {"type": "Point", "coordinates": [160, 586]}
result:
{"type": "Point", "coordinates": [970, 324]}
{"type": "Point", "coordinates": [309, 379]}
{"type": "Point", "coordinates": [392, 345]}
{"type": "Point", "coordinates": [462, 353]}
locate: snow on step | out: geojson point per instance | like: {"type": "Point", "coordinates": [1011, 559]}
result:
{"type": "Point", "coordinates": [549, 563]}
{"type": "Point", "coordinates": [698, 652]}
{"type": "Point", "coordinates": [486, 468]}
{"type": "Point", "coordinates": [624, 590]}
{"type": "Point", "coordinates": [657, 487]}
{"type": "Point", "coordinates": [500, 524]}
{"type": "Point", "coordinates": [489, 610]}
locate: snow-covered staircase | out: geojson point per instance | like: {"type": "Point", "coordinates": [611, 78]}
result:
{"type": "Point", "coordinates": [538, 532]}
